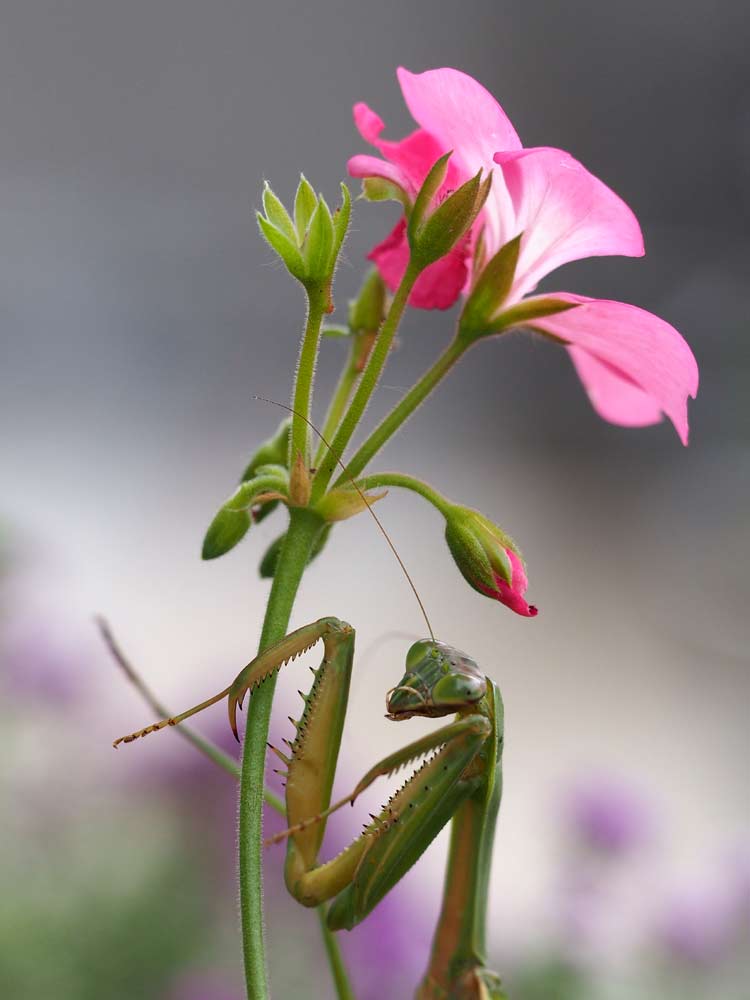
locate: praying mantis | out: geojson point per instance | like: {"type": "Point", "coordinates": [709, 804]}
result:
{"type": "Point", "coordinates": [460, 779]}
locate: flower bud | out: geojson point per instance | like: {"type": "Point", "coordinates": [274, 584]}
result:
{"type": "Point", "coordinates": [487, 558]}
{"type": "Point", "coordinates": [310, 244]}
{"type": "Point", "coordinates": [366, 312]}
{"type": "Point", "coordinates": [273, 452]}
{"type": "Point", "coordinates": [433, 234]}
{"type": "Point", "coordinates": [231, 523]}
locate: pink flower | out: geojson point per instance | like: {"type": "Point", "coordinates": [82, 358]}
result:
{"type": "Point", "coordinates": [634, 366]}
{"type": "Point", "coordinates": [511, 594]}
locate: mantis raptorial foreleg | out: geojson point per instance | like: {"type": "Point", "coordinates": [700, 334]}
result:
{"type": "Point", "coordinates": [460, 780]}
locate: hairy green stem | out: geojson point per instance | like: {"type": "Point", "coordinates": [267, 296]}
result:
{"type": "Point", "coordinates": [339, 400]}
{"type": "Point", "coordinates": [304, 527]}
{"type": "Point", "coordinates": [403, 410]}
{"type": "Point", "coordinates": [367, 383]}
{"type": "Point", "coordinates": [344, 989]}
{"type": "Point", "coordinates": [303, 385]}
{"type": "Point", "coordinates": [402, 481]}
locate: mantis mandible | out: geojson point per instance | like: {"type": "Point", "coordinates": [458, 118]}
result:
{"type": "Point", "coordinates": [459, 777]}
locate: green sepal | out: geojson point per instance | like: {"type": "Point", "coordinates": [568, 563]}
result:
{"type": "Point", "coordinates": [335, 332]}
{"type": "Point", "coordinates": [269, 562]}
{"type": "Point", "coordinates": [318, 245]}
{"type": "Point", "coordinates": [449, 222]}
{"type": "Point", "coordinates": [346, 501]}
{"type": "Point", "coordinates": [523, 313]}
{"type": "Point", "coordinates": [479, 547]}
{"type": "Point", "coordinates": [341, 217]}
{"type": "Point", "coordinates": [305, 202]}
{"type": "Point", "coordinates": [427, 192]}
{"type": "Point", "coordinates": [277, 215]}
{"type": "Point", "coordinates": [491, 289]}
{"type": "Point", "coordinates": [287, 250]}
{"type": "Point", "coordinates": [379, 189]}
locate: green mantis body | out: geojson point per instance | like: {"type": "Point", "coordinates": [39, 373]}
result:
{"type": "Point", "coordinates": [461, 779]}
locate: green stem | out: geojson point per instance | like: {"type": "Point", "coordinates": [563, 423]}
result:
{"type": "Point", "coordinates": [304, 527]}
{"type": "Point", "coordinates": [339, 400]}
{"type": "Point", "coordinates": [225, 762]}
{"type": "Point", "coordinates": [366, 387]}
{"type": "Point", "coordinates": [303, 385]}
{"type": "Point", "coordinates": [344, 989]}
{"type": "Point", "coordinates": [402, 481]}
{"type": "Point", "coordinates": [404, 409]}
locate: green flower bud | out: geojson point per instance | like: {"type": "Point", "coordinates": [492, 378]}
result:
{"type": "Point", "coordinates": [309, 245]}
{"type": "Point", "coordinates": [273, 452]}
{"type": "Point", "coordinates": [231, 523]}
{"type": "Point", "coordinates": [366, 312]}
{"type": "Point", "coordinates": [488, 559]}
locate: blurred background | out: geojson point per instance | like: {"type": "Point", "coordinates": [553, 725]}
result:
{"type": "Point", "coordinates": [141, 311]}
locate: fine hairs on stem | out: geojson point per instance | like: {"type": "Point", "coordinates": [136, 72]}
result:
{"type": "Point", "coordinates": [283, 406]}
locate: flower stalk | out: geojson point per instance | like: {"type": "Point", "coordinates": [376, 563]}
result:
{"type": "Point", "coordinates": [304, 528]}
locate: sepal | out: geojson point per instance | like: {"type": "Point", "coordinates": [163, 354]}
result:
{"type": "Point", "coordinates": [310, 243]}
{"type": "Point", "coordinates": [343, 503]}
{"type": "Point", "coordinates": [433, 235]}
{"type": "Point", "coordinates": [491, 289]}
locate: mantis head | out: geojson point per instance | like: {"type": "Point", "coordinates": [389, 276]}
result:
{"type": "Point", "coordinates": [439, 680]}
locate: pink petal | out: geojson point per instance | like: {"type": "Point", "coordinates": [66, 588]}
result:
{"type": "Point", "coordinates": [632, 354]}
{"type": "Point", "coordinates": [460, 114]}
{"type": "Point", "coordinates": [364, 165]}
{"type": "Point", "coordinates": [438, 286]}
{"type": "Point", "coordinates": [564, 212]}
{"type": "Point", "coordinates": [369, 124]}
{"type": "Point", "coordinates": [415, 155]}
{"type": "Point", "coordinates": [613, 397]}
{"type": "Point", "coordinates": [465, 118]}
{"type": "Point", "coordinates": [512, 595]}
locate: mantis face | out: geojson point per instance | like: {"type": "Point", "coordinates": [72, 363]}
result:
{"type": "Point", "coordinates": [439, 680]}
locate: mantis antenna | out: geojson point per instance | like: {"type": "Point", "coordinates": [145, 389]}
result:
{"type": "Point", "coordinates": [290, 409]}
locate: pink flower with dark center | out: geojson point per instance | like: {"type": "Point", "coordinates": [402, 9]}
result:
{"type": "Point", "coordinates": [634, 366]}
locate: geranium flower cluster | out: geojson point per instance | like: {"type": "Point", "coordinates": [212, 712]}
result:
{"type": "Point", "coordinates": [634, 365]}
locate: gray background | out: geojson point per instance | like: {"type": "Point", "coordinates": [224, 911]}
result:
{"type": "Point", "coordinates": [140, 311]}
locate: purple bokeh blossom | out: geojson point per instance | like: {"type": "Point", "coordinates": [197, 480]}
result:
{"type": "Point", "coordinates": [608, 817]}
{"type": "Point", "coordinates": [699, 926]}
